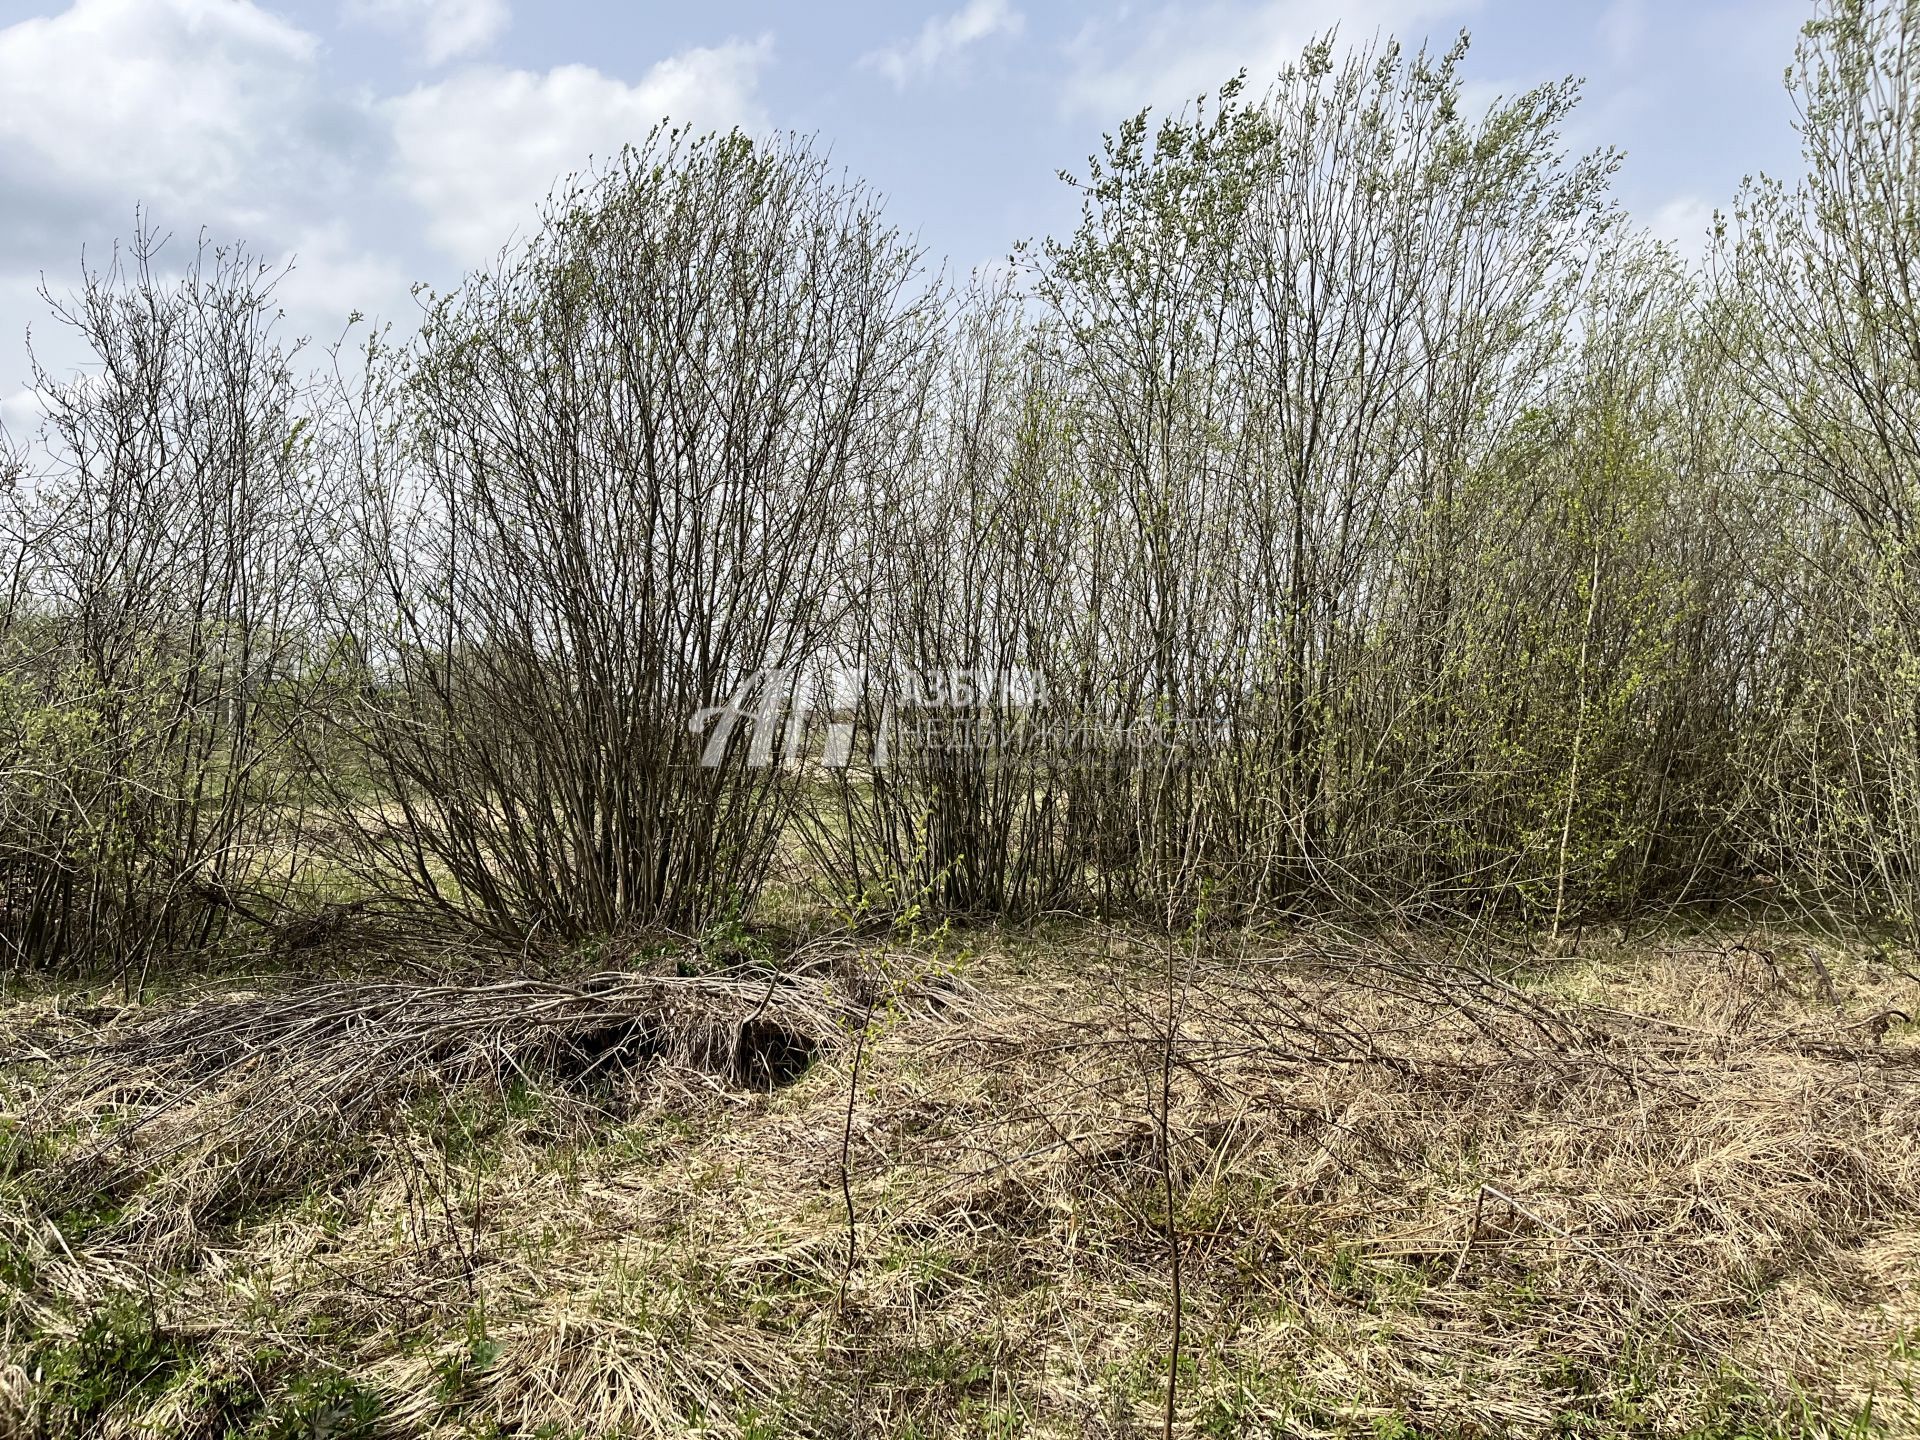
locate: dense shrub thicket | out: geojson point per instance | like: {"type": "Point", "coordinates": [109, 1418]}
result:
{"type": "Point", "coordinates": [1354, 512]}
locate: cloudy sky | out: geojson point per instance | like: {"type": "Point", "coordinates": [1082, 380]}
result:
{"type": "Point", "coordinates": [380, 142]}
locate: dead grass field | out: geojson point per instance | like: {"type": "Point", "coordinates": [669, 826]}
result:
{"type": "Point", "coordinates": [1660, 1188]}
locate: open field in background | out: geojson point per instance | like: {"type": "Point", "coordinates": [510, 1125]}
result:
{"type": "Point", "coordinates": [1658, 1186]}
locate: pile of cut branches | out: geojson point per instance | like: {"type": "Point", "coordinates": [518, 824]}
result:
{"type": "Point", "coordinates": [231, 1095]}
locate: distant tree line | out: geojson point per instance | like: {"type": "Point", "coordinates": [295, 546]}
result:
{"type": "Point", "coordinates": [1507, 563]}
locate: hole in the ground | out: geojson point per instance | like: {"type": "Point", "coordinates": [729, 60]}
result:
{"type": "Point", "coordinates": [606, 1051]}
{"type": "Point", "coordinates": [767, 1055]}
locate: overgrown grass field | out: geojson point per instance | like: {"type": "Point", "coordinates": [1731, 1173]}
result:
{"type": "Point", "coordinates": [1664, 1186]}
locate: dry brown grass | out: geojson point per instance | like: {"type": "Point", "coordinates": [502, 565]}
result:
{"type": "Point", "coordinates": [1665, 1189]}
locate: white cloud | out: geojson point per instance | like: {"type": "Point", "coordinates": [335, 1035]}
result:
{"type": "Point", "coordinates": [189, 101]}
{"type": "Point", "coordinates": [1684, 222]}
{"type": "Point", "coordinates": [1173, 53]}
{"type": "Point", "coordinates": [479, 151]}
{"type": "Point", "coordinates": [206, 114]}
{"type": "Point", "coordinates": [1623, 25]}
{"type": "Point", "coordinates": [334, 274]}
{"type": "Point", "coordinates": [447, 29]}
{"type": "Point", "coordinates": [942, 39]}
{"type": "Point", "coordinates": [20, 415]}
